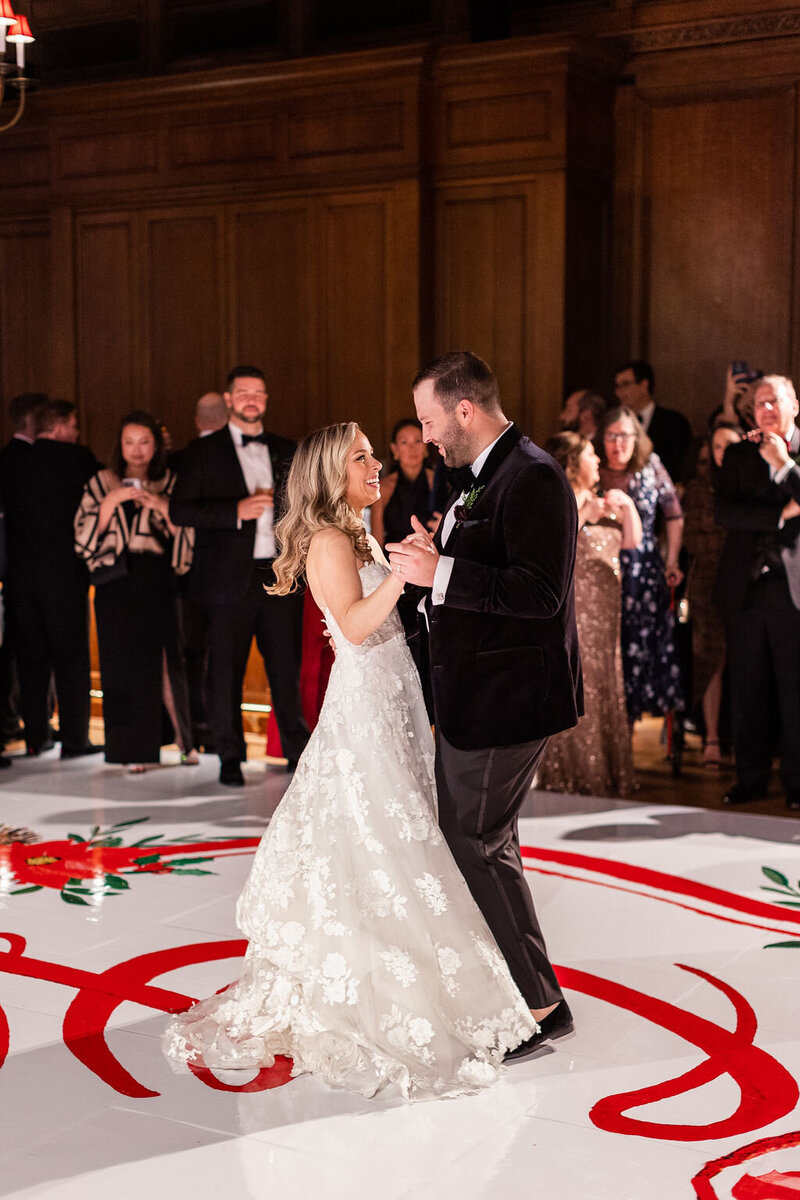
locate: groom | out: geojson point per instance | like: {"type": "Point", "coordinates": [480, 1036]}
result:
{"type": "Point", "coordinates": [503, 648]}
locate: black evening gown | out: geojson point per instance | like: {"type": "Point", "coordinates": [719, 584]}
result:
{"type": "Point", "coordinates": [137, 624]}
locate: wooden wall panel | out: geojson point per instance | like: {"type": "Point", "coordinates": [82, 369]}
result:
{"type": "Point", "coordinates": [718, 241]}
{"type": "Point", "coordinates": [184, 323]}
{"type": "Point", "coordinates": [499, 267]}
{"type": "Point", "coordinates": [25, 310]}
{"type": "Point", "coordinates": [273, 284]}
{"type": "Point", "coordinates": [108, 317]}
{"type": "Point", "coordinates": [354, 334]}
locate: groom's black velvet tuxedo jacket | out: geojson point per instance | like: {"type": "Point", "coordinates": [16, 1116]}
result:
{"type": "Point", "coordinates": [504, 653]}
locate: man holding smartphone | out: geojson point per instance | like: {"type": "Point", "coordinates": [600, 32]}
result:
{"type": "Point", "coordinates": [758, 589]}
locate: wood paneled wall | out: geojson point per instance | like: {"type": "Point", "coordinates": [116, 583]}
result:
{"type": "Point", "coordinates": [706, 216]}
{"type": "Point", "coordinates": [334, 221]}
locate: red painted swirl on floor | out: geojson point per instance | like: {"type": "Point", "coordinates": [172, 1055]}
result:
{"type": "Point", "coordinates": [702, 1182]}
{"type": "Point", "coordinates": [767, 1090]}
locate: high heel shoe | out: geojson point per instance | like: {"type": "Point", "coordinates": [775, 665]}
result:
{"type": "Point", "coordinates": [711, 755]}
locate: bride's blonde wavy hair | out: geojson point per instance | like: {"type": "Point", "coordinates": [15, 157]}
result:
{"type": "Point", "coordinates": [316, 490]}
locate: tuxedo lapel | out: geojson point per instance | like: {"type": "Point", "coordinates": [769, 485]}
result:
{"type": "Point", "coordinates": [499, 453]}
{"type": "Point", "coordinates": [232, 464]}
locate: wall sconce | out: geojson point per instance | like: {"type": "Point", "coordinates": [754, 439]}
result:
{"type": "Point", "coordinates": [14, 31]}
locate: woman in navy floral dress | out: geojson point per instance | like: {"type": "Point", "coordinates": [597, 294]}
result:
{"type": "Point", "coordinates": [649, 657]}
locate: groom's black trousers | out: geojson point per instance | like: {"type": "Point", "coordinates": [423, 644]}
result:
{"type": "Point", "coordinates": [480, 795]}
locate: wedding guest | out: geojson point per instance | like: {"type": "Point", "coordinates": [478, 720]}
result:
{"type": "Point", "coordinates": [704, 540]}
{"type": "Point", "coordinates": [406, 488]}
{"type": "Point", "coordinates": [123, 531]}
{"type": "Point", "coordinates": [582, 412]}
{"type": "Point", "coordinates": [650, 662]}
{"type": "Point", "coordinates": [668, 430]}
{"type": "Point", "coordinates": [210, 415]}
{"type": "Point", "coordinates": [230, 488]}
{"type": "Point", "coordinates": [758, 588]}
{"type": "Point", "coordinates": [595, 757]}
{"type": "Point", "coordinates": [47, 586]}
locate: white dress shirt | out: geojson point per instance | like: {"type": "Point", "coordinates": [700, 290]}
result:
{"type": "Point", "coordinates": [444, 568]}
{"type": "Point", "coordinates": [646, 415]}
{"type": "Point", "coordinates": [256, 467]}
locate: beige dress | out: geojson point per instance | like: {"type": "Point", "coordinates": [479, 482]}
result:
{"type": "Point", "coordinates": [595, 757]}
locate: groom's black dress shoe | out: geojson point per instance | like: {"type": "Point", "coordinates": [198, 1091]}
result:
{"type": "Point", "coordinates": [556, 1024]}
{"type": "Point", "coordinates": [738, 794]}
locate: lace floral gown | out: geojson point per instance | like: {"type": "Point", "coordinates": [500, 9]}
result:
{"type": "Point", "coordinates": [369, 961]}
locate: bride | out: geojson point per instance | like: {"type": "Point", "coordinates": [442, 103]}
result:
{"type": "Point", "coordinates": [368, 960]}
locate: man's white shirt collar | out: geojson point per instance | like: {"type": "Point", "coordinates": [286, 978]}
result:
{"type": "Point", "coordinates": [236, 433]}
{"type": "Point", "coordinates": [480, 461]}
{"type": "Point", "coordinates": [646, 415]}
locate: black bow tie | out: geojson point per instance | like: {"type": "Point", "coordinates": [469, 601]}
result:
{"type": "Point", "coordinates": [247, 438]}
{"type": "Point", "coordinates": [461, 479]}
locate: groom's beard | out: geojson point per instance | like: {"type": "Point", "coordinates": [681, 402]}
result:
{"type": "Point", "coordinates": [455, 445]}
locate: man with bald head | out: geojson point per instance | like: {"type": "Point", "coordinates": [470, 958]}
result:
{"type": "Point", "coordinates": [210, 414]}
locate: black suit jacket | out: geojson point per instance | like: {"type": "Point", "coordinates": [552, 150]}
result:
{"type": "Point", "coordinates": [504, 654]}
{"type": "Point", "coordinates": [748, 504]}
{"type": "Point", "coordinates": [208, 487]}
{"type": "Point", "coordinates": [41, 489]}
{"type": "Point", "coordinates": [671, 435]}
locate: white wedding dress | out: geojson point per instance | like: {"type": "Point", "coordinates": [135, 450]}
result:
{"type": "Point", "coordinates": [369, 961]}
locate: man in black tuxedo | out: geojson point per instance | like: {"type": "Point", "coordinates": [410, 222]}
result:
{"type": "Point", "coordinates": [668, 430]}
{"type": "Point", "coordinates": [758, 589]}
{"type": "Point", "coordinates": [503, 649]}
{"type": "Point", "coordinates": [47, 584]}
{"type": "Point", "coordinates": [229, 487]}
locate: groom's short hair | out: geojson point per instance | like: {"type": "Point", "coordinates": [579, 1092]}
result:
{"type": "Point", "coordinates": [461, 375]}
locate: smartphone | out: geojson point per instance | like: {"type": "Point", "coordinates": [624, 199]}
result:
{"type": "Point", "coordinates": [739, 367]}
{"type": "Point", "coordinates": [134, 483]}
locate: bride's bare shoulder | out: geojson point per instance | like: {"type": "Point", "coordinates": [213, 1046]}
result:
{"type": "Point", "coordinates": [329, 543]}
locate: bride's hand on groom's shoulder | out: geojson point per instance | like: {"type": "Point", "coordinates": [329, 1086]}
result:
{"type": "Point", "coordinates": [416, 557]}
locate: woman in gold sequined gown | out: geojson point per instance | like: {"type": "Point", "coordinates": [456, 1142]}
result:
{"type": "Point", "coordinates": [595, 757]}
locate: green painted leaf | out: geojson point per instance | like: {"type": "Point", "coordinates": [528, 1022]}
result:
{"type": "Point", "coordinates": [75, 837]}
{"type": "Point", "coordinates": [780, 891]}
{"type": "Point", "coordinates": [789, 903]}
{"type": "Point", "coordinates": [154, 837]}
{"type": "Point", "coordinates": [68, 898]}
{"type": "Point", "coordinates": [190, 871]}
{"type": "Point", "coordinates": [775, 876]}
{"type": "Point", "coordinates": [780, 945]}
{"type": "Point", "coordinates": [134, 821]}
{"type": "Point", "coordinates": [80, 890]}
{"type": "Point", "coordinates": [147, 858]}
{"type": "Point", "coordinates": [189, 862]}
{"type": "Point", "coordinates": [36, 887]}
{"type": "Point", "coordinates": [95, 831]}
{"type": "Point", "coordinates": [108, 842]}
{"type": "Point", "coordinates": [114, 881]}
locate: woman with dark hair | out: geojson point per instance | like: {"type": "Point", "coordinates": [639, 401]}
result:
{"type": "Point", "coordinates": [650, 661]}
{"type": "Point", "coordinates": [595, 758]}
{"type": "Point", "coordinates": [406, 488]}
{"type": "Point", "coordinates": [704, 541]}
{"type": "Point", "coordinates": [123, 530]}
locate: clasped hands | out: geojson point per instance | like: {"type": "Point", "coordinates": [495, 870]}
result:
{"type": "Point", "coordinates": [415, 558]}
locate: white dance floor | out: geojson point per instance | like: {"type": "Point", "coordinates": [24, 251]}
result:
{"type": "Point", "coordinates": [676, 934]}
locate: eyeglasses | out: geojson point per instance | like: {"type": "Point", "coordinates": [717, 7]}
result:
{"type": "Point", "coordinates": [618, 437]}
